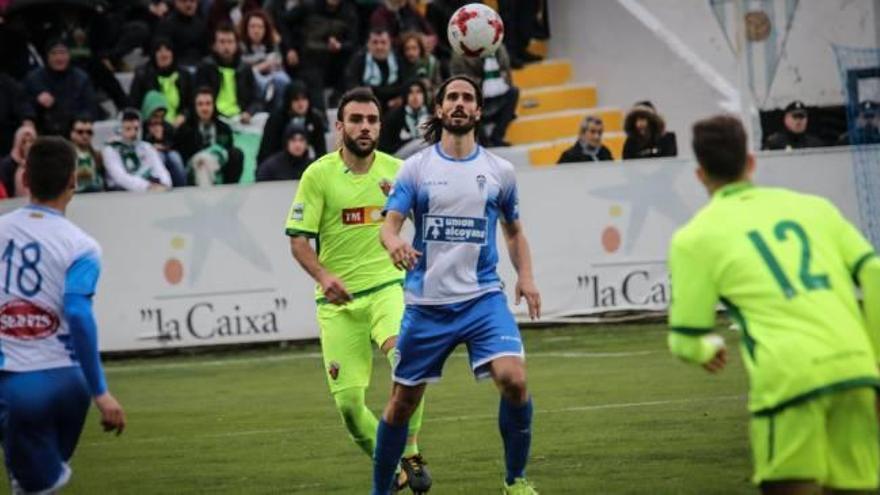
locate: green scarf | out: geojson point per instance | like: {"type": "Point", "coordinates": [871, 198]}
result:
{"type": "Point", "coordinates": [130, 160]}
{"type": "Point", "coordinates": [88, 177]}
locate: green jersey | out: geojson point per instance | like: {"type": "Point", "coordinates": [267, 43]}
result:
{"type": "Point", "coordinates": [783, 263]}
{"type": "Point", "coordinates": [343, 211]}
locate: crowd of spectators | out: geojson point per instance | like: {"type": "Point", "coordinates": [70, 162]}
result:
{"type": "Point", "coordinates": [198, 69]}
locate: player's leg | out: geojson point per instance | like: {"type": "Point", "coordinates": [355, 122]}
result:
{"type": "Point", "coordinates": [496, 350]}
{"type": "Point", "coordinates": [853, 458]}
{"type": "Point", "coordinates": [348, 362]}
{"type": "Point", "coordinates": [425, 341]}
{"type": "Point", "coordinates": [32, 441]}
{"type": "Point", "coordinates": [789, 449]}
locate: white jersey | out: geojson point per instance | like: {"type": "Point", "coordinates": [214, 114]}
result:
{"type": "Point", "coordinates": [37, 247]}
{"type": "Point", "coordinates": [456, 205]}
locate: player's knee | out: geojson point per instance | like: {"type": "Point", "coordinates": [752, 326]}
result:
{"type": "Point", "coordinates": [350, 403]}
{"type": "Point", "coordinates": [513, 385]}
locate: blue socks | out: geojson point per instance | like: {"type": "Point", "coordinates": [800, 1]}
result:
{"type": "Point", "coordinates": [515, 423]}
{"type": "Point", "coordinates": [390, 442]}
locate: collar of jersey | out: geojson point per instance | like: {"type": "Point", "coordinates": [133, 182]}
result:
{"type": "Point", "coordinates": [468, 158]}
{"type": "Point", "coordinates": [734, 188]}
{"type": "Point", "coordinates": [45, 209]}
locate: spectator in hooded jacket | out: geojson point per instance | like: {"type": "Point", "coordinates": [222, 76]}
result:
{"type": "Point", "coordinates": [207, 146]}
{"type": "Point", "coordinates": [291, 162]}
{"type": "Point", "coordinates": [90, 174]}
{"type": "Point", "coordinates": [58, 91]}
{"type": "Point", "coordinates": [187, 31]}
{"type": "Point", "coordinates": [295, 108]}
{"type": "Point", "coordinates": [233, 83]}
{"type": "Point", "coordinates": [646, 134]}
{"type": "Point", "coordinates": [158, 132]}
{"type": "Point", "coordinates": [589, 147]}
{"type": "Point", "coordinates": [403, 125]}
{"type": "Point", "coordinates": [131, 163]}
{"type": "Point", "coordinates": [162, 73]}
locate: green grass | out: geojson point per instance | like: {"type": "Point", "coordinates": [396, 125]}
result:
{"type": "Point", "coordinates": [625, 418]}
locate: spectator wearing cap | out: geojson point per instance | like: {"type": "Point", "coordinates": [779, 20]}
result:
{"type": "Point", "coordinates": [235, 88]}
{"type": "Point", "coordinates": [794, 134]}
{"type": "Point", "coordinates": [295, 108]}
{"type": "Point", "coordinates": [131, 163]}
{"type": "Point", "coordinates": [403, 125]}
{"type": "Point", "coordinates": [90, 175]}
{"type": "Point", "coordinates": [866, 128]}
{"type": "Point", "coordinates": [331, 37]}
{"type": "Point", "coordinates": [58, 91]}
{"type": "Point", "coordinates": [646, 134]}
{"type": "Point", "coordinates": [589, 147]}
{"type": "Point", "coordinates": [12, 166]}
{"type": "Point", "coordinates": [158, 132]}
{"type": "Point", "coordinates": [500, 96]}
{"type": "Point", "coordinates": [187, 31]}
{"type": "Point", "coordinates": [378, 68]}
{"type": "Point", "coordinates": [162, 73]}
{"type": "Point", "coordinates": [206, 145]}
{"type": "Point", "coordinates": [291, 162]}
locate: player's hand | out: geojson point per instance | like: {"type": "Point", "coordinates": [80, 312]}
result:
{"type": "Point", "coordinates": [526, 288]}
{"type": "Point", "coordinates": [112, 415]}
{"type": "Point", "coordinates": [718, 362]}
{"type": "Point", "coordinates": [334, 290]}
{"type": "Point", "coordinates": [403, 255]}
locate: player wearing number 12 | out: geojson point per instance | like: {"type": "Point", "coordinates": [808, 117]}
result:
{"type": "Point", "coordinates": [49, 362]}
{"type": "Point", "coordinates": [786, 265]}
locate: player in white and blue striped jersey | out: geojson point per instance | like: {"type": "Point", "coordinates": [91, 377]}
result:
{"type": "Point", "coordinates": [457, 192]}
{"type": "Point", "coordinates": [50, 368]}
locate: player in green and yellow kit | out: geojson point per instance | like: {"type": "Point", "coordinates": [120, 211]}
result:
{"type": "Point", "coordinates": [784, 264]}
{"type": "Point", "coordinates": [359, 292]}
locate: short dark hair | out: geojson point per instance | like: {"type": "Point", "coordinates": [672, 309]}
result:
{"type": "Point", "coordinates": [49, 165]}
{"type": "Point", "coordinates": [224, 27]}
{"type": "Point", "coordinates": [434, 126]}
{"type": "Point", "coordinates": [203, 90]}
{"type": "Point", "coordinates": [359, 95]}
{"type": "Point", "coordinates": [130, 114]}
{"type": "Point", "coordinates": [380, 30]}
{"type": "Point", "coordinates": [719, 144]}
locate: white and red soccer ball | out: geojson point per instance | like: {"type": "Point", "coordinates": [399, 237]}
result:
{"type": "Point", "coordinates": [475, 30]}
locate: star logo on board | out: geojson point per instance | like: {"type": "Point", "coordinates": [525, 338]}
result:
{"type": "Point", "coordinates": [209, 224]}
{"type": "Point", "coordinates": [644, 196]}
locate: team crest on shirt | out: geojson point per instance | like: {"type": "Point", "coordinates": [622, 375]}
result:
{"type": "Point", "coordinates": [333, 370]}
{"type": "Point", "coordinates": [25, 320]}
{"type": "Point", "coordinates": [481, 182]}
{"type": "Point", "coordinates": [386, 186]}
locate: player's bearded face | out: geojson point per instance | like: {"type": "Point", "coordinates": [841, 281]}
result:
{"type": "Point", "coordinates": [459, 111]}
{"type": "Point", "coordinates": [360, 133]}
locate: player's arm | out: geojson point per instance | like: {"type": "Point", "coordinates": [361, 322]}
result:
{"type": "Point", "coordinates": [303, 224]}
{"type": "Point", "coordinates": [521, 258]}
{"type": "Point", "coordinates": [692, 311]}
{"type": "Point", "coordinates": [400, 203]}
{"type": "Point", "coordinates": [80, 282]}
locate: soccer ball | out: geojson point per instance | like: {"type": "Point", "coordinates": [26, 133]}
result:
{"type": "Point", "coordinates": [475, 30]}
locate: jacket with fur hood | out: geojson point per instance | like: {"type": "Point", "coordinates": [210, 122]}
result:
{"type": "Point", "coordinates": [658, 143]}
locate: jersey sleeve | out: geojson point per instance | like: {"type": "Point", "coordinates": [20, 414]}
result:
{"type": "Point", "coordinates": [694, 292]}
{"type": "Point", "coordinates": [851, 244]}
{"type": "Point", "coordinates": [402, 198]}
{"type": "Point", "coordinates": [509, 197]}
{"type": "Point", "coordinates": [80, 282]}
{"type": "Point", "coordinates": [304, 217]}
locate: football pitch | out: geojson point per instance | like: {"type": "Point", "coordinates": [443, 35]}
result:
{"type": "Point", "coordinates": [614, 413]}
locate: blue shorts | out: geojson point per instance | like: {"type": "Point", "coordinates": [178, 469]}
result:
{"type": "Point", "coordinates": [41, 416]}
{"type": "Point", "coordinates": [428, 334]}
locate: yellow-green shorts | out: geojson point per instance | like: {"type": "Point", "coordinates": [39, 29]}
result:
{"type": "Point", "coordinates": [347, 334]}
{"type": "Point", "coordinates": [831, 439]}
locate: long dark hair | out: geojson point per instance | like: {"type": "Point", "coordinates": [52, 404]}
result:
{"type": "Point", "coordinates": [434, 126]}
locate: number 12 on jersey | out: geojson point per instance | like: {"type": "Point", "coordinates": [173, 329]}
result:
{"type": "Point", "coordinates": [809, 280]}
{"type": "Point", "coordinates": [30, 257]}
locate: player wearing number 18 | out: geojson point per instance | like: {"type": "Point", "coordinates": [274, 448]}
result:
{"type": "Point", "coordinates": [49, 362]}
{"type": "Point", "coordinates": [786, 265]}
